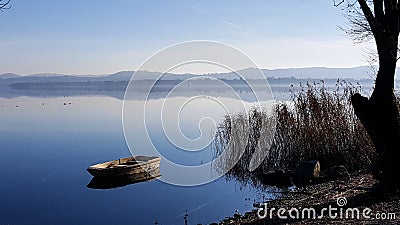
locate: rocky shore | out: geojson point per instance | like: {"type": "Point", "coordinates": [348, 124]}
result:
{"type": "Point", "coordinates": [353, 201]}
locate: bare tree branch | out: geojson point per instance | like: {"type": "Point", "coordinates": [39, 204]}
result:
{"type": "Point", "coordinates": [4, 5]}
{"type": "Point", "coordinates": [336, 4]}
{"type": "Point", "coordinates": [369, 16]}
{"type": "Point", "coordinates": [357, 27]}
{"type": "Point", "coordinates": [367, 20]}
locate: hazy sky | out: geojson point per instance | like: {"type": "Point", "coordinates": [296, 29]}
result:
{"type": "Point", "coordinates": [98, 37]}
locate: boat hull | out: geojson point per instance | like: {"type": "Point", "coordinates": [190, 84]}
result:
{"type": "Point", "coordinates": [140, 167]}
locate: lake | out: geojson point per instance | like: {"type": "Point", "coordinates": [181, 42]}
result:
{"type": "Point", "coordinates": [46, 146]}
{"type": "Point", "coordinates": [48, 142]}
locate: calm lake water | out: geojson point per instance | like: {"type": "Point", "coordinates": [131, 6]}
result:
{"type": "Point", "coordinates": [46, 147]}
{"type": "Point", "coordinates": [46, 144]}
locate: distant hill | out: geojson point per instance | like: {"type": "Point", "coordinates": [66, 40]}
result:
{"type": "Point", "coordinates": [8, 76]}
{"type": "Point", "coordinates": [45, 84]}
{"type": "Point", "coordinates": [47, 75]}
{"type": "Point", "coordinates": [362, 72]}
{"type": "Point", "coordinates": [357, 73]}
{"type": "Point", "coordinates": [120, 76]}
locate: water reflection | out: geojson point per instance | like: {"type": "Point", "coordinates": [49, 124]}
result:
{"type": "Point", "coordinates": [121, 181]}
{"type": "Point", "coordinates": [55, 143]}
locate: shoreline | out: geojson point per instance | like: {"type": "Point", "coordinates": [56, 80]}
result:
{"type": "Point", "coordinates": [356, 193]}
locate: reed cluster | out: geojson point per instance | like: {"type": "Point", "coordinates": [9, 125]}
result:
{"type": "Point", "coordinates": [318, 123]}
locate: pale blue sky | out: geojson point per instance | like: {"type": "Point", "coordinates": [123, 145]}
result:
{"type": "Point", "coordinates": [98, 37]}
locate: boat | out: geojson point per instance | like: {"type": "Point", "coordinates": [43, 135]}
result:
{"type": "Point", "coordinates": [138, 167]}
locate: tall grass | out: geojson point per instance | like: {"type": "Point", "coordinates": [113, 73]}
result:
{"type": "Point", "coordinates": [318, 123]}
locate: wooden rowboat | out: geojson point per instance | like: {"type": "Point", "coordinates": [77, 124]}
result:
{"type": "Point", "coordinates": [139, 167]}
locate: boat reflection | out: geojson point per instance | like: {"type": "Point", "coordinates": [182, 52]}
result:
{"type": "Point", "coordinates": [121, 181]}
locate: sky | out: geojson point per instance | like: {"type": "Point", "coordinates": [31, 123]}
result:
{"type": "Point", "coordinates": [101, 37]}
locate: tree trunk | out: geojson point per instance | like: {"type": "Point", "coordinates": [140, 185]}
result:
{"type": "Point", "coordinates": [379, 114]}
{"type": "Point", "coordinates": [380, 117]}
